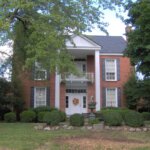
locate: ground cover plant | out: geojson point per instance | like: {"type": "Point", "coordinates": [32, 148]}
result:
{"type": "Point", "coordinates": [23, 136]}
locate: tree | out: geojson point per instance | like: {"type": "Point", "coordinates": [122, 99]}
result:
{"type": "Point", "coordinates": [137, 94]}
{"type": "Point", "coordinates": [48, 24]}
{"type": "Point", "coordinates": [138, 48]}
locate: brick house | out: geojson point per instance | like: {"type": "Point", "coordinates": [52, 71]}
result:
{"type": "Point", "coordinates": [103, 72]}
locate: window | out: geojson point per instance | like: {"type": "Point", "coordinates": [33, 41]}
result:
{"type": "Point", "coordinates": [67, 101]}
{"type": "Point", "coordinates": [84, 67]}
{"type": "Point", "coordinates": [40, 73]}
{"type": "Point", "coordinates": [110, 69]}
{"type": "Point", "coordinates": [111, 97]}
{"type": "Point", "coordinates": [39, 96]}
{"type": "Point", "coordinates": [84, 101]}
{"type": "Point", "coordinates": [75, 90]}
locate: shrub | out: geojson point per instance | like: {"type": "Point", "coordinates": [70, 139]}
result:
{"type": "Point", "coordinates": [3, 111]}
{"type": "Point", "coordinates": [112, 117]}
{"type": "Point", "coordinates": [99, 115]}
{"type": "Point", "coordinates": [93, 121]}
{"type": "Point", "coordinates": [77, 120]}
{"type": "Point", "coordinates": [41, 109]}
{"type": "Point", "coordinates": [40, 116]}
{"type": "Point", "coordinates": [146, 116]}
{"type": "Point", "coordinates": [27, 116]}
{"type": "Point", "coordinates": [53, 109]}
{"type": "Point", "coordinates": [63, 116]}
{"type": "Point", "coordinates": [10, 117]}
{"type": "Point", "coordinates": [52, 118]}
{"type": "Point", "coordinates": [133, 119]}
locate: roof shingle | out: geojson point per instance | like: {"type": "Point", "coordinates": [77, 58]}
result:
{"type": "Point", "coordinates": [109, 44]}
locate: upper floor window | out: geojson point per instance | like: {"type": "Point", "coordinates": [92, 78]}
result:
{"type": "Point", "coordinates": [40, 73]}
{"type": "Point", "coordinates": [110, 70]}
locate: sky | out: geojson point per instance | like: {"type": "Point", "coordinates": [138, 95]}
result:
{"type": "Point", "coordinates": [116, 26]}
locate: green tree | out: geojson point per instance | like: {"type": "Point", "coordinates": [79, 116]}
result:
{"type": "Point", "coordinates": [137, 94]}
{"type": "Point", "coordinates": [138, 48]}
{"type": "Point", "coordinates": [48, 24]}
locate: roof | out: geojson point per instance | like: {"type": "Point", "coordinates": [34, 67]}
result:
{"type": "Point", "coordinates": [109, 44]}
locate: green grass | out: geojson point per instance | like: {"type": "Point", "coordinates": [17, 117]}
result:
{"type": "Point", "coordinates": [23, 136]}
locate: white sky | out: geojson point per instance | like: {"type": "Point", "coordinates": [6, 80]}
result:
{"type": "Point", "coordinates": [116, 26]}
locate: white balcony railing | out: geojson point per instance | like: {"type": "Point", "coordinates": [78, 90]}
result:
{"type": "Point", "coordinates": [87, 77]}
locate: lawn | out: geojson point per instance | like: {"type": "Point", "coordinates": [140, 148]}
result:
{"type": "Point", "coordinates": [22, 136]}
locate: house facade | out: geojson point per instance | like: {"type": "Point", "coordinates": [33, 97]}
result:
{"type": "Point", "coordinates": [103, 70]}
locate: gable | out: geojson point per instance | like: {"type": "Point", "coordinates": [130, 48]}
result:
{"type": "Point", "coordinates": [81, 42]}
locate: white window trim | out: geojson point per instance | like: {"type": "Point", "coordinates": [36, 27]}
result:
{"type": "Point", "coordinates": [116, 93]}
{"type": "Point", "coordinates": [115, 70]}
{"type": "Point", "coordinates": [35, 95]}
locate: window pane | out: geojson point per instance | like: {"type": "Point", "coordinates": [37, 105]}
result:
{"type": "Point", "coordinates": [84, 101]}
{"type": "Point", "coordinates": [67, 102]}
{"type": "Point", "coordinates": [110, 69]}
{"type": "Point", "coordinates": [40, 97]}
{"type": "Point", "coordinates": [111, 97]}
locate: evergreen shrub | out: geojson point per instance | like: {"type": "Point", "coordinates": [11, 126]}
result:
{"type": "Point", "coordinates": [10, 117]}
{"type": "Point", "coordinates": [77, 120]}
{"type": "Point", "coordinates": [27, 116]}
{"type": "Point", "coordinates": [146, 116]}
{"type": "Point", "coordinates": [112, 117]}
{"type": "Point", "coordinates": [52, 118]}
{"type": "Point", "coordinates": [133, 119]}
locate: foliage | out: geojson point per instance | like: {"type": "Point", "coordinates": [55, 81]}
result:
{"type": "Point", "coordinates": [133, 118]}
{"type": "Point", "coordinates": [93, 121]}
{"type": "Point", "coordinates": [63, 116]}
{"type": "Point", "coordinates": [137, 93]}
{"type": "Point", "coordinates": [10, 117]}
{"type": "Point", "coordinates": [99, 115]}
{"type": "Point", "coordinates": [77, 120]}
{"type": "Point", "coordinates": [41, 109]}
{"type": "Point", "coordinates": [138, 47]}
{"type": "Point", "coordinates": [146, 116]}
{"type": "Point", "coordinates": [4, 110]}
{"type": "Point", "coordinates": [27, 116]}
{"type": "Point", "coordinates": [52, 118]}
{"type": "Point", "coordinates": [40, 116]}
{"type": "Point", "coordinates": [131, 92]}
{"type": "Point", "coordinates": [46, 25]}
{"type": "Point", "coordinates": [112, 117]}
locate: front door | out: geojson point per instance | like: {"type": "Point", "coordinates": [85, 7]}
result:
{"type": "Point", "coordinates": [76, 103]}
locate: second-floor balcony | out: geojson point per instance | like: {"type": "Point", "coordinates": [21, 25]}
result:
{"type": "Point", "coordinates": [82, 77]}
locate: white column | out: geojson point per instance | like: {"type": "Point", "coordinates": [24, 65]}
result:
{"type": "Point", "coordinates": [57, 90]}
{"type": "Point", "coordinates": [97, 79]}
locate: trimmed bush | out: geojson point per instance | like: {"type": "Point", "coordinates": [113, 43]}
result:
{"type": "Point", "coordinates": [63, 116]}
{"type": "Point", "coordinates": [77, 120]}
{"type": "Point", "coordinates": [52, 118]}
{"type": "Point", "coordinates": [27, 116]}
{"type": "Point", "coordinates": [53, 109]}
{"type": "Point", "coordinates": [112, 117]}
{"type": "Point", "coordinates": [146, 116]}
{"type": "Point", "coordinates": [133, 119]}
{"type": "Point", "coordinates": [93, 121]}
{"type": "Point", "coordinates": [40, 116]}
{"type": "Point", "coordinates": [10, 117]}
{"type": "Point", "coordinates": [41, 109]}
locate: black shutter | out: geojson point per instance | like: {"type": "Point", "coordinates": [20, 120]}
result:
{"type": "Point", "coordinates": [103, 69]}
{"type": "Point", "coordinates": [118, 69]}
{"type": "Point", "coordinates": [119, 97]}
{"type": "Point", "coordinates": [104, 97]}
{"type": "Point", "coordinates": [32, 97]}
{"type": "Point", "coordinates": [48, 96]}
